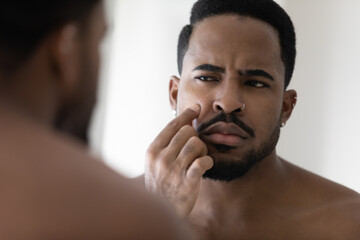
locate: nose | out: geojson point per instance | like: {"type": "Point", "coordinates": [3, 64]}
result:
{"type": "Point", "coordinates": [229, 99]}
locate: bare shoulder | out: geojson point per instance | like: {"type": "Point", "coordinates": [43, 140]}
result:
{"type": "Point", "coordinates": [52, 188]}
{"type": "Point", "coordinates": [140, 180]}
{"type": "Point", "coordinates": [319, 187]}
{"type": "Point", "coordinates": [325, 207]}
{"type": "Point", "coordinates": [337, 219]}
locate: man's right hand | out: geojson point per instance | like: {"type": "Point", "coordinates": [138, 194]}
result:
{"type": "Point", "coordinates": [176, 161]}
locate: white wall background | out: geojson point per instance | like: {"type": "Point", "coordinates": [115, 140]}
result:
{"type": "Point", "coordinates": [322, 136]}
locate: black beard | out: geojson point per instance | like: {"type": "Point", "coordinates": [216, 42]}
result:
{"type": "Point", "coordinates": [230, 169]}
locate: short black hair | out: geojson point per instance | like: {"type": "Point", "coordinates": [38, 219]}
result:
{"type": "Point", "coordinates": [25, 23]}
{"type": "Point", "coordinates": [265, 10]}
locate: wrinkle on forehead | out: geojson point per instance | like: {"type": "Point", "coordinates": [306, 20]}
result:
{"type": "Point", "coordinates": [235, 38]}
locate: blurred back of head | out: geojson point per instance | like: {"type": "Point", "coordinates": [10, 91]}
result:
{"type": "Point", "coordinates": [24, 24]}
{"type": "Point", "coordinates": [49, 59]}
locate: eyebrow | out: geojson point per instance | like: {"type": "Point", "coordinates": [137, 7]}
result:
{"type": "Point", "coordinates": [247, 73]}
{"type": "Point", "coordinates": [210, 68]}
{"type": "Point", "coordinates": [255, 73]}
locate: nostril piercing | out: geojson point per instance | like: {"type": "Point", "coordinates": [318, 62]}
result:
{"type": "Point", "coordinates": [243, 107]}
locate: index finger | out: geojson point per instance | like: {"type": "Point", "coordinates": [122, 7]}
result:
{"type": "Point", "coordinates": [186, 117]}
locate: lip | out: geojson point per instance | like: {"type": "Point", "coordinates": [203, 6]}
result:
{"type": "Point", "coordinates": [225, 133]}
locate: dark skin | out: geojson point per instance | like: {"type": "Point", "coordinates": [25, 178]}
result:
{"type": "Point", "coordinates": [51, 188]}
{"type": "Point", "coordinates": [275, 199]}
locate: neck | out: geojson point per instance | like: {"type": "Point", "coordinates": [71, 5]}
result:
{"type": "Point", "coordinates": [29, 92]}
{"type": "Point", "coordinates": [26, 107]}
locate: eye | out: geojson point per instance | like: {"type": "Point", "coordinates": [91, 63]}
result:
{"type": "Point", "coordinates": [256, 84]}
{"type": "Point", "coordinates": [207, 78]}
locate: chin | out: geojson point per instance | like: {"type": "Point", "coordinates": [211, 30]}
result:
{"type": "Point", "coordinates": [228, 170]}
{"type": "Point", "coordinates": [231, 165]}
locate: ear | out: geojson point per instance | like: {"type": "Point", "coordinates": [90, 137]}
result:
{"type": "Point", "coordinates": [173, 91]}
{"type": "Point", "coordinates": [289, 102]}
{"type": "Point", "coordinates": [65, 54]}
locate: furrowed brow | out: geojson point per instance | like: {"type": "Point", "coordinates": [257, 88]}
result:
{"type": "Point", "coordinates": [255, 73]}
{"type": "Point", "coordinates": [210, 68]}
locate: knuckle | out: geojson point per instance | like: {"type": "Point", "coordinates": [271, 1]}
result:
{"type": "Point", "coordinates": [155, 158]}
{"type": "Point", "coordinates": [197, 166]}
{"type": "Point", "coordinates": [194, 144]}
{"type": "Point", "coordinates": [196, 170]}
{"type": "Point", "coordinates": [183, 135]}
{"type": "Point", "coordinates": [154, 147]}
{"type": "Point", "coordinates": [173, 124]}
{"type": "Point", "coordinates": [195, 140]}
{"type": "Point", "coordinates": [198, 143]}
{"type": "Point", "coordinates": [188, 130]}
{"type": "Point", "coordinates": [189, 147]}
{"type": "Point", "coordinates": [150, 154]}
{"type": "Point", "coordinates": [163, 166]}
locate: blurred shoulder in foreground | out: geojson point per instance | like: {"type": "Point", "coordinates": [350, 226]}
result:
{"type": "Point", "coordinates": [50, 187]}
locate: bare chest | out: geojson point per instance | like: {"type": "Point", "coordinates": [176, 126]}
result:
{"type": "Point", "coordinates": [277, 227]}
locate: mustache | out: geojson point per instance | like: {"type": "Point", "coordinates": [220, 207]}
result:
{"type": "Point", "coordinates": [227, 118]}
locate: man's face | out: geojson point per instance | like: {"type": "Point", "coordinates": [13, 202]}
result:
{"type": "Point", "coordinates": [233, 70]}
{"type": "Point", "coordinates": [74, 116]}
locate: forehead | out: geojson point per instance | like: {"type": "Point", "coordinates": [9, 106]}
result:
{"type": "Point", "coordinates": [231, 39]}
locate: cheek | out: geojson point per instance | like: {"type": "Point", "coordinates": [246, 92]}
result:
{"type": "Point", "coordinates": [265, 118]}
{"type": "Point", "coordinates": [185, 100]}
{"type": "Point", "coordinates": [190, 95]}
